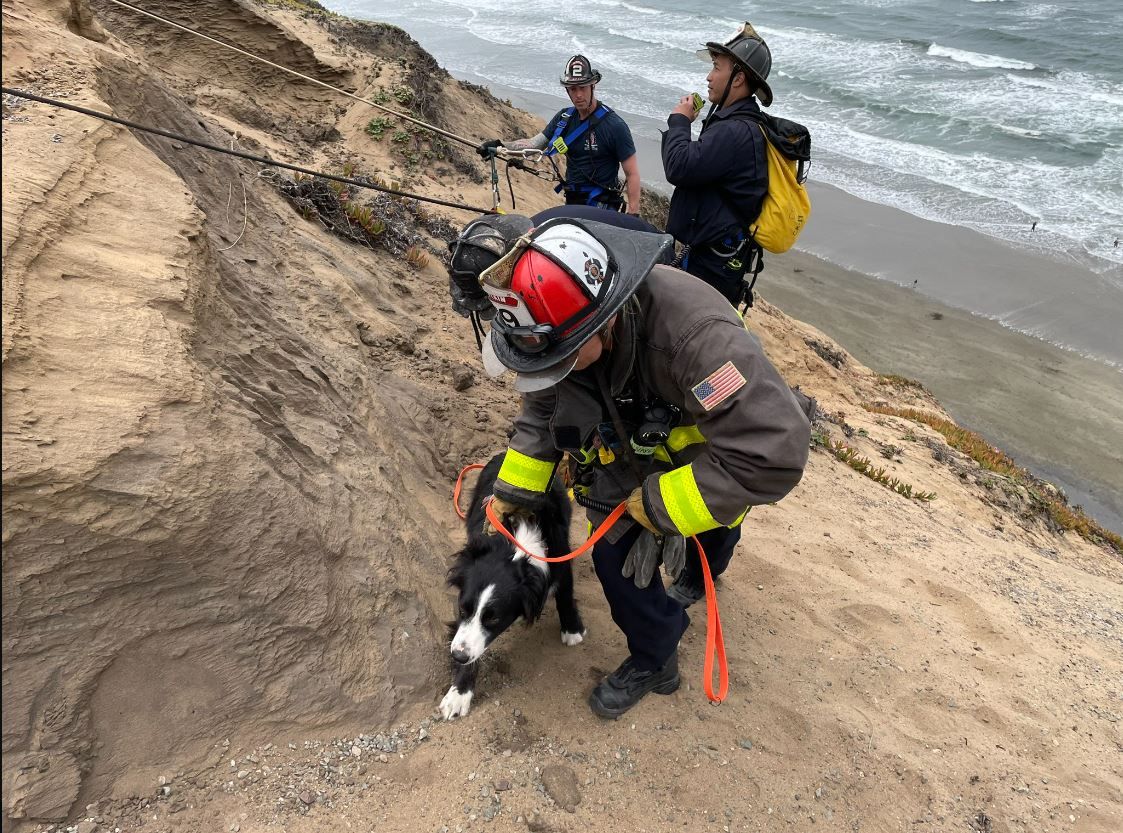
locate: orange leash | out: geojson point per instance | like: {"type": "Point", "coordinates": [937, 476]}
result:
{"type": "Point", "coordinates": [715, 641]}
{"type": "Point", "coordinates": [601, 531]}
{"type": "Point", "coordinates": [459, 486]}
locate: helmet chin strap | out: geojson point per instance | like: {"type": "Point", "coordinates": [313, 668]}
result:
{"type": "Point", "coordinates": [721, 101]}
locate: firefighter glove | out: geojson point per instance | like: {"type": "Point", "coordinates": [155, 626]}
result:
{"type": "Point", "coordinates": [643, 559]}
{"type": "Point", "coordinates": [486, 150]}
{"type": "Point", "coordinates": [506, 510]}
{"type": "Point", "coordinates": [638, 513]}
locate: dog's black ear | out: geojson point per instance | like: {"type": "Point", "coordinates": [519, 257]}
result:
{"type": "Point", "coordinates": [534, 589]}
{"type": "Point", "coordinates": [456, 571]}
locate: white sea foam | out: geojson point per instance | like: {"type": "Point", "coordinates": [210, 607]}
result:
{"type": "Point", "coordinates": [988, 141]}
{"type": "Point", "coordinates": [978, 59]}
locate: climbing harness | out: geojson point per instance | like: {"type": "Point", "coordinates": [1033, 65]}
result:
{"type": "Point", "coordinates": [167, 134]}
{"type": "Point", "coordinates": [715, 640]}
{"type": "Point", "coordinates": [591, 192]}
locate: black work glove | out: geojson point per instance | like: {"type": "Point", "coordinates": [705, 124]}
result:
{"type": "Point", "coordinates": [648, 552]}
{"type": "Point", "coordinates": [486, 150]}
{"type": "Point", "coordinates": [674, 555]}
{"type": "Point", "coordinates": [465, 303]}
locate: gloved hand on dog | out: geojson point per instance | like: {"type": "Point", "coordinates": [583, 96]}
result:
{"type": "Point", "coordinates": [506, 510]}
{"type": "Point", "coordinates": [486, 150]}
{"type": "Point", "coordinates": [652, 548]}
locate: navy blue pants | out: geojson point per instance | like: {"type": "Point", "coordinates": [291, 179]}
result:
{"type": "Point", "coordinates": [703, 263]}
{"type": "Point", "coordinates": [651, 621]}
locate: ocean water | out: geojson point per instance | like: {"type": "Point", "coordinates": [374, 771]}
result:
{"type": "Point", "coordinates": [986, 114]}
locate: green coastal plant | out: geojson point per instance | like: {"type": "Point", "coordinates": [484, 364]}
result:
{"type": "Point", "coordinates": [417, 257]}
{"type": "Point", "coordinates": [1043, 496]}
{"type": "Point", "coordinates": [376, 127]}
{"type": "Point", "coordinates": [853, 458]}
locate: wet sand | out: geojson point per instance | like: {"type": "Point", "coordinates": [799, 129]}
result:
{"type": "Point", "coordinates": [1054, 411]}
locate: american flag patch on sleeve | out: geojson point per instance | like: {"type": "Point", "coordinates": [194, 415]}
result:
{"type": "Point", "coordinates": [718, 386]}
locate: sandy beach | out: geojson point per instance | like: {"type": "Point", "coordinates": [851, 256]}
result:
{"type": "Point", "coordinates": [1055, 411]}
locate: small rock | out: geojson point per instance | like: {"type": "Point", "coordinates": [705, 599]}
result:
{"type": "Point", "coordinates": [307, 798]}
{"type": "Point", "coordinates": [561, 785]}
{"type": "Point", "coordinates": [87, 826]}
{"type": "Point", "coordinates": [502, 785]}
{"type": "Point", "coordinates": [745, 743]}
{"type": "Point", "coordinates": [462, 378]}
{"type": "Point", "coordinates": [356, 752]}
{"type": "Point", "coordinates": [422, 734]}
{"type": "Point", "coordinates": [242, 773]}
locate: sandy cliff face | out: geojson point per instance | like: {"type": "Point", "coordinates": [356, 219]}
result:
{"type": "Point", "coordinates": [229, 439]}
{"type": "Point", "coordinates": [211, 485]}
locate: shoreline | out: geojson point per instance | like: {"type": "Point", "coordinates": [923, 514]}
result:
{"type": "Point", "coordinates": [1055, 411]}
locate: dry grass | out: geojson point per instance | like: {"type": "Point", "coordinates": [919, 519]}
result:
{"type": "Point", "coordinates": [898, 381]}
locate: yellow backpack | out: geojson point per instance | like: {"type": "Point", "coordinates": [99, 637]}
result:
{"type": "Point", "coordinates": [786, 206]}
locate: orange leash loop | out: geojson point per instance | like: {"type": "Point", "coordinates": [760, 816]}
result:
{"type": "Point", "coordinates": [459, 484]}
{"type": "Point", "coordinates": [602, 530]}
{"type": "Point", "coordinates": [715, 641]}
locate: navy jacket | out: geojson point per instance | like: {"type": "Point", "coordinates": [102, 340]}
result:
{"type": "Point", "coordinates": [730, 155]}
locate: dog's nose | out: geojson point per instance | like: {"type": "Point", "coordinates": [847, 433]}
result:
{"type": "Point", "coordinates": [459, 654]}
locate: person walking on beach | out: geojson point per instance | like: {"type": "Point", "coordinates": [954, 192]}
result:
{"type": "Point", "coordinates": [661, 398]}
{"type": "Point", "coordinates": [721, 179]}
{"type": "Point", "coordinates": [594, 140]}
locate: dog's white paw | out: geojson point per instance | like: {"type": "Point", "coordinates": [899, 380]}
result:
{"type": "Point", "coordinates": [572, 639]}
{"type": "Point", "coordinates": [456, 704]}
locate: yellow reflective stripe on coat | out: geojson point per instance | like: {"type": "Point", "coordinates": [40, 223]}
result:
{"type": "Point", "coordinates": [685, 506]}
{"type": "Point", "coordinates": [679, 439]}
{"type": "Point", "coordinates": [525, 472]}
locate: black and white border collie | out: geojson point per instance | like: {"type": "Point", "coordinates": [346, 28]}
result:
{"type": "Point", "coordinates": [499, 584]}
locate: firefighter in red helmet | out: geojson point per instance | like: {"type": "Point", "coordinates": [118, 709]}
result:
{"type": "Point", "coordinates": [649, 380]}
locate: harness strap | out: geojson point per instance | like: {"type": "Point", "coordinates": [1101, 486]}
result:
{"type": "Point", "coordinates": [591, 191]}
{"type": "Point", "coordinates": [559, 145]}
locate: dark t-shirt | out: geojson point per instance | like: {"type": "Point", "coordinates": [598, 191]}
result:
{"type": "Point", "coordinates": [595, 156]}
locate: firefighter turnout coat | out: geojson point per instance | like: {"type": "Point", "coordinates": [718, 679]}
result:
{"type": "Point", "coordinates": [741, 435]}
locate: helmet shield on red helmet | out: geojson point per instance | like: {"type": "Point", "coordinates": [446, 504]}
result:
{"type": "Point", "coordinates": [556, 288]}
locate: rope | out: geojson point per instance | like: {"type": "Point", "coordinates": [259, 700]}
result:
{"type": "Point", "coordinates": [715, 639]}
{"type": "Point", "coordinates": [310, 79]}
{"type": "Point", "coordinates": [240, 154]}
